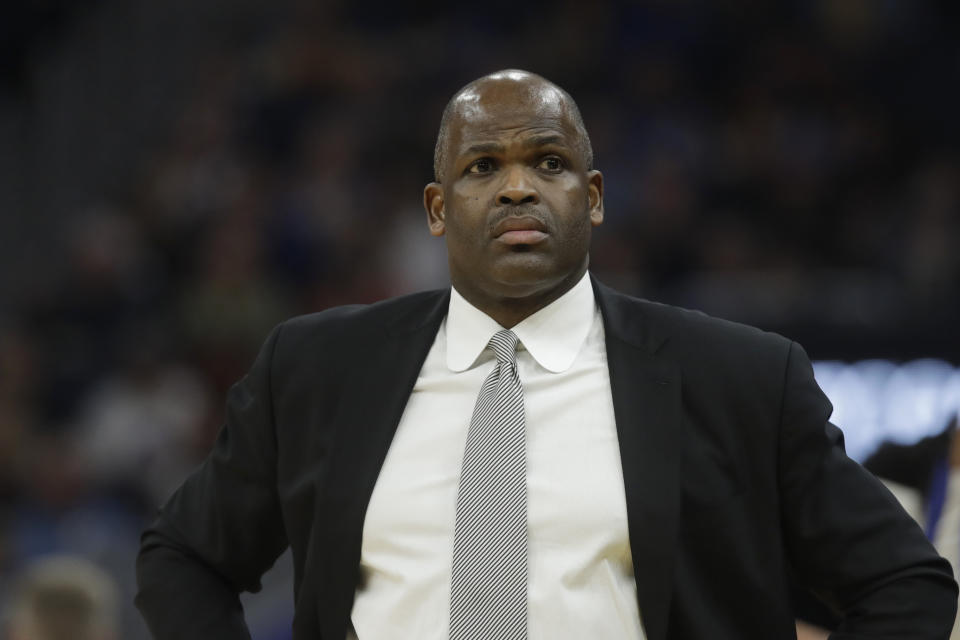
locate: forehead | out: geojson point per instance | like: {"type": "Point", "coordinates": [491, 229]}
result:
{"type": "Point", "coordinates": [504, 110]}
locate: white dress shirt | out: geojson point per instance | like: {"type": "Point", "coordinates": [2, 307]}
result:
{"type": "Point", "coordinates": [580, 573]}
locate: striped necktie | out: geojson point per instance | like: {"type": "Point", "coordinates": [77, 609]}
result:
{"type": "Point", "coordinates": [488, 590]}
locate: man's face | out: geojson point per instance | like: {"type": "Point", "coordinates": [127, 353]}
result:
{"type": "Point", "coordinates": [517, 202]}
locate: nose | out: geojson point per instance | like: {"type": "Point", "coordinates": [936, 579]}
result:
{"type": "Point", "coordinates": [517, 189]}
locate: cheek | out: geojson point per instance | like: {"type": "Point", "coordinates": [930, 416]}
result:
{"type": "Point", "coordinates": [464, 226]}
{"type": "Point", "coordinates": [574, 193]}
{"type": "Point", "coordinates": [575, 204]}
{"type": "Point", "coordinates": [469, 192]}
{"type": "Point", "coordinates": [578, 232]}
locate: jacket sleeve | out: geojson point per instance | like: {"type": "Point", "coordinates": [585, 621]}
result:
{"type": "Point", "coordinates": [222, 529]}
{"type": "Point", "coordinates": [849, 540]}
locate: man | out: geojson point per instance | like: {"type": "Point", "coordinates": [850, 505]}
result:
{"type": "Point", "coordinates": [608, 468]}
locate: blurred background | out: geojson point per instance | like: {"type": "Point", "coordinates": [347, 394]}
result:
{"type": "Point", "coordinates": [176, 177]}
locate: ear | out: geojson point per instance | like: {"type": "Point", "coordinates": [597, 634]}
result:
{"type": "Point", "coordinates": [595, 196]}
{"type": "Point", "coordinates": [433, 203]}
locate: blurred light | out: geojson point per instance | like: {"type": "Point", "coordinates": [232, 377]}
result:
{"type": "Point", "coordinates": [879, 400]}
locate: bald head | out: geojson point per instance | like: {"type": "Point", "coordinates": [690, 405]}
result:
{"type": "Point", "coordinates": [511, 88]}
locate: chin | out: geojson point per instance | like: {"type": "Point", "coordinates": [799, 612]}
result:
{"type": "Point", "coordinates": [527, 279]}
{"type": "Point", "coordinates": [523, 268]}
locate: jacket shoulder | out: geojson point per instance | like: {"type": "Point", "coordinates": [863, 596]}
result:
{"type": "Point", "coordinates": [700, 326]}
{"type": "Point", "coordinates": [357, 321]}
{"type": "Point", "coordinates": [694, 338]}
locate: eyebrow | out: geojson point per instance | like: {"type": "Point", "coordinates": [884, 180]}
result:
{"type": "Point", "coordinates": [496, 147]}
{"type": "Point", "coordinates": [542, 141]}
{"type": "Point", "coordinates": [484, 147]}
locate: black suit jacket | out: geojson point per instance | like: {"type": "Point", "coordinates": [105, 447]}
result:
{"type": "Point", "coordinates": [735, 482]}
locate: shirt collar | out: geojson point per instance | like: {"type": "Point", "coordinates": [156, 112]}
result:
{"type": "Point", "coordinates": [553, 335]}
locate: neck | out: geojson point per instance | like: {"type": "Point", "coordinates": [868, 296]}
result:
{"type": "Point", "coordinates": [509, 310]}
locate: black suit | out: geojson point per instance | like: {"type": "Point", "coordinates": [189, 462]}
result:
{"type": "Point", "coordinates": [734, 482]}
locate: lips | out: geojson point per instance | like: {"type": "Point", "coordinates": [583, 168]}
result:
{"type": "Point", "coordinates": [520, 230]}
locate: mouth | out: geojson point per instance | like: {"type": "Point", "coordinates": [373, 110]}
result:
{"type": "Point", "coordinates": [524, 230]}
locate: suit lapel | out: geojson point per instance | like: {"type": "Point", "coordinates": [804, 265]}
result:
{"type": "Point", "coordinates": [387, 365]}
{"type": "Point", "coordinates": [647, 407]}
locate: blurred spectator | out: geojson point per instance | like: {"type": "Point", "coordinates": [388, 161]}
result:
{"type": "Point", "coordinates": [807, 631]}
{"type": "Point", "coordinates": [64, 598]}
{"type": "Point", "coordinates": [231, 304]}
{"type": "Point", "coordinates": [142, 428]}
{"type": "Point", "coordinates": [18, 379]}
{"type": "Point", "coordinates": [109, 280]}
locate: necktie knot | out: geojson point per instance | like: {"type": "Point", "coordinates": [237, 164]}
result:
{"type": "Point", "coordinates": [504, 345]}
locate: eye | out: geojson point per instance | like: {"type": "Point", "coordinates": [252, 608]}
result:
{"type": "Point", "coordinates": [483, 165]}
{"type": "Point", "coordinates": [551, 164]}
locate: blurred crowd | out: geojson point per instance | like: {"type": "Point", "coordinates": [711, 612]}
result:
{"type": "Point", "coordinates": [794, 165]}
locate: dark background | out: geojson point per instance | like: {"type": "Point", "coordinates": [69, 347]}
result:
{"type": "Point", "coordinates": [176, 177]}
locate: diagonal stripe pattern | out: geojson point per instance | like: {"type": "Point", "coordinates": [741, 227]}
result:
{"type": "Point", "coordinates": [488, 589]}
